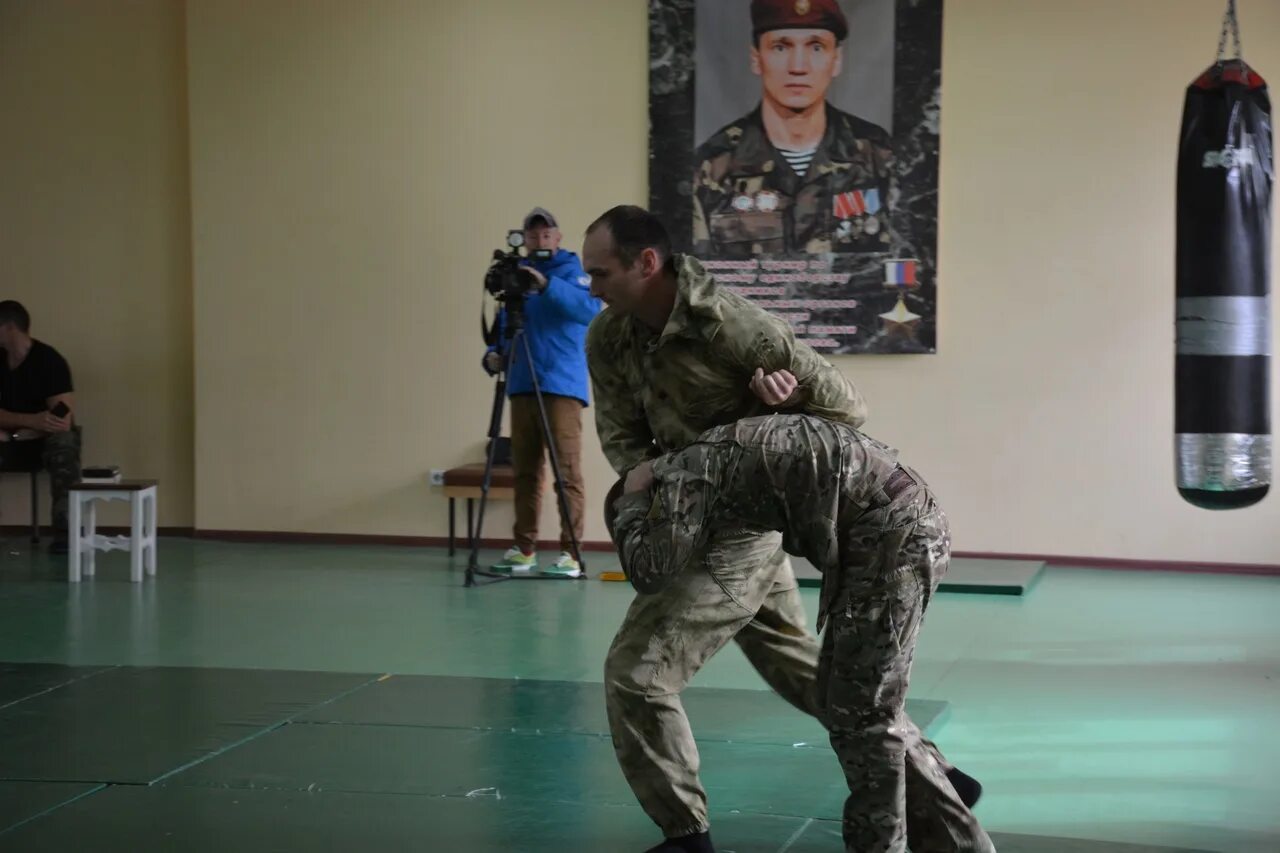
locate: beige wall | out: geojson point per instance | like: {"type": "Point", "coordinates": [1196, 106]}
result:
{"type": "Point", "coordinates": [1047, 421]}
{"type": "Point", "coordinates": [353, 165]}
{"type": "Point", "coordinates": [94, 227]}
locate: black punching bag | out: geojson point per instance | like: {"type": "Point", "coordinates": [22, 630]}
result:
{"type": "Point", "coordinates": [1225, 172]}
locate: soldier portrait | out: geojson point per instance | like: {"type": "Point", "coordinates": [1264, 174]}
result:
{"type": "Point", "coordinates": [793, 110]}
{"type": "Point", "coordinates": [794, 149]}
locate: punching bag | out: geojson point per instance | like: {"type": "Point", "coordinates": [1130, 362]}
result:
{"type": "Point", "coordinates": [1222, 419]}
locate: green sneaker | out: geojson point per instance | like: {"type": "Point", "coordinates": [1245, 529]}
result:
{"type": "Point", "coordinates": [516, 560]}
{"type": "Point", "coordinates": [566, 567]}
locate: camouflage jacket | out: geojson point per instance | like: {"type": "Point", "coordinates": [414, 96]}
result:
{"type": "Point", "coordinates": [808, 478]}
{"type": "Point", "coordinates": [747, 199]}
{"type": "Point", "coordinates": [658, 392]}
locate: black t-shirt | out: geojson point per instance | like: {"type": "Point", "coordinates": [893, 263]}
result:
{"type": "Point", "coordinates": [26, 389]}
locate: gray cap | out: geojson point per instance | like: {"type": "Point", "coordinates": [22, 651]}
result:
{"type": "Point", "coordinates": [540, 213]}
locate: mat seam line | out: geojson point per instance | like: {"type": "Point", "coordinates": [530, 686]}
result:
{"type": "Point", "coordinates": [544, 733]}
{"type": "Point", "coordinates": [434, 796]}
{"type": "Point", "coordinates": [795, 836]}
{"type": "Point", "coordinates": [105, 669]}
{"type": "Point", "coordinates": [101, 787]}
{"type": "Point", "coordinates": [264, 731]}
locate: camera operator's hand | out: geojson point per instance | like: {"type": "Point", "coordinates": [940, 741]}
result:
{"type": "Point", "coordinates": [493, 361]}
{"type": "Point", "coordinates": [540, 280]}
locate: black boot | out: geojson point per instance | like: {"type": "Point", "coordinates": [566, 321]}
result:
{"type": "Point", "coordinates": [967, 788]}
{"type": "Point", "coordinates": [61, 529]}
{"type": "Point", "coordinates": [699, 842]}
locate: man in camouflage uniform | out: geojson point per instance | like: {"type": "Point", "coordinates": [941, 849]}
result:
{"type": "Point", "coordinates": [795, 174]}
{"type": "Point", "coordinates": [874, 530]}
{"type": "Point", "coordinates": [34, 381]}
{"type": "Point", "coordinates": [672, 356]}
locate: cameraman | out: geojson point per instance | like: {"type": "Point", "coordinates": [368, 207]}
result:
{"type": "Point", "coordinates": [557, 310]}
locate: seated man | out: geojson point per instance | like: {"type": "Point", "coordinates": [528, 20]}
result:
{"type": "Point", "coordinates": [35, 382]}
{"type": "Point", "coordinates": [872, 527]}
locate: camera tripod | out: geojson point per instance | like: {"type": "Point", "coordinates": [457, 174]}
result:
{"type": "Point", "coordinates": [518, 346]}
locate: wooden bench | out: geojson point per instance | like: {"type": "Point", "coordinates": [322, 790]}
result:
{"type": "Point", "coordinates": [465, 482]}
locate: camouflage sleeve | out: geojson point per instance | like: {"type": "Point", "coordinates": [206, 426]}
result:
{"type": "Point", "coordinates": [658, 531]}
{"type": "Point", "coordinates": [705, 197]}
{"type": "Point", "coordinates": [621, 424]}
{"type": "Point", "coordinates": [823, 390]}
{"type": "Point", "coordinates": [701, 229]}
{"type": "Point", "coordinates": [882, 155]}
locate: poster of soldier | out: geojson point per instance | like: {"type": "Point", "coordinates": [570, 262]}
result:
{"type": "Point", "coordinates": [794, 150]}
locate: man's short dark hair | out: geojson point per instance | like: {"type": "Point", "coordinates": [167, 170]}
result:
{"type": "Point", "coordinates": [634, 229]}
{"type": "Point", "coordinates": [13, 312]}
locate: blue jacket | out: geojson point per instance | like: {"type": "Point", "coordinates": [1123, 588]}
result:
{"type": "Point", "coordinates": [555, 326]}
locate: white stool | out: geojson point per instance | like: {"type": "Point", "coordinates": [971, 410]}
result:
{"type": "Point", "coordinates": [141, 541]}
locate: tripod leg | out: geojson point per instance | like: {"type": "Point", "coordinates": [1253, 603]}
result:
{"type": "Point", "coordinates": [495, 427]}
{"type": "Point", "coordinates": [566, 514]}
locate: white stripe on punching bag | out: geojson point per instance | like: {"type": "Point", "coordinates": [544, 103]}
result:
{"type": "Point", "coordinates": [1224, 325]}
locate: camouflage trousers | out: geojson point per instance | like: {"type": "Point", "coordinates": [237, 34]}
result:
{"type": "Point", "coordinates": [899, 794]}
{"type": "Point", "coordinates": [744, 590]}
{"type": "Point", "coordinates": [59, 454]}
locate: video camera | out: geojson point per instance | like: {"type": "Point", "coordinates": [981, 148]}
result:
{"type": "Point", "coordinates": [505, 279]}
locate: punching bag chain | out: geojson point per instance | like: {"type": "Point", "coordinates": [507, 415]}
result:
{"type": "Point", "coordinates": [1229, 22]}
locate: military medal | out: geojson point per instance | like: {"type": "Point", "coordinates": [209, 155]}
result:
{"type": "Point", "coordinates": [872, 225]}
{"type": "Point", "coordinates": [849, 204]}
{"type": "Point", "coordinates": [901, 321]}
{"type": "Point", "coordinates": [845, 230]}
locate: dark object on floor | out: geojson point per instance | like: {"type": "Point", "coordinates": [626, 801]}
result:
{"type": "Point", "coordinates": [969, 788]}
{"type": "Point", "coordinates": [697, 843]}
{"type": "Point", "coordinates": [967, 575]}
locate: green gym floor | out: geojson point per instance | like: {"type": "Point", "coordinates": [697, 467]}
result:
{"type": "Point", "coordinates": [281, 697]}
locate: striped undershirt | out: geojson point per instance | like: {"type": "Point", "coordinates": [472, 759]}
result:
{"type": "Point", "coordinates": [798, 160]}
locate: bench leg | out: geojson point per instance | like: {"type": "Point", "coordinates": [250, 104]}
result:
{"type": "Point", "coordinates": [35, 508]}
{"type": "Point", "coordinates": [137, 541]}
{"type": "Point", "coordinates": [452, 544]}
{"type": "Point", "coordinates": [90, 516]}
{"type": "Point", "coordinates": [471, 529]}
{"type": "Point", "coordinates": [75, 540]}
{"type": "Point", "coordinates": [149, 533]}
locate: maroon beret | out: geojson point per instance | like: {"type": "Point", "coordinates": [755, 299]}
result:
{"type": "Point", "coordinates": [769, 15]}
